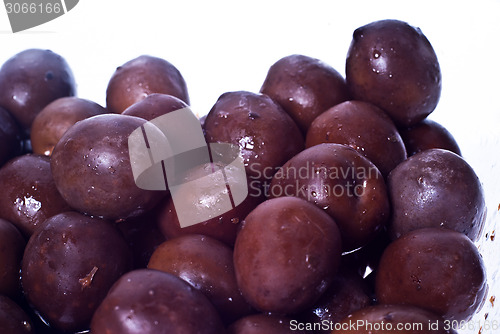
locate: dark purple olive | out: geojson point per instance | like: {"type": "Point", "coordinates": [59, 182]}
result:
{"type": "Point", "coordinates": [392, 65]}
{"type": "Point", "coordinates": [32, 79]}
{"type": "Point", "coordinates": [149, 301]}
{"type": "Point", "coordinates": [68, 267]}
{"type": "Point", "coordinates": [140, 77]}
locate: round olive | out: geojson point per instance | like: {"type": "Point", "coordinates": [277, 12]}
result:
{"type": "Point", "coordinates": [155, 105]}
{"type": "Point", "coordinates": [392, 65]}
{"type": "Point", "coordinates": [266, 134]}
{"type": "Point", "coordinates": [206, 264]}
{"type": "Point", "coordinates": [305, 87]}
{"type": "Point", "coordinates": [364, 127]}
{"type": "Point", "coordinates": [141, 76]}
{"type": "Point", "coordinates": [56, 118]}
{"type": "Point", "coordinates": [436, 269]}
{"type": "Point", "coordinates": [79, 258]}
{"type": "Point", "coordinates": [286, 255]}
{"type": "Point", "coordinates": [148, 301]}
{"type": "Point", "coordinates": [426, 135]}
{"type": "Point", "coordinates": [436, 188]}
{"type": "Point", "coordinates": [344, 184]}
{"type": "Point", "coordinates": [32, 79]}
{"type": "Point", "coordinates": [29, 195]}
{"type": "Point", "coordinates": [92, 168]}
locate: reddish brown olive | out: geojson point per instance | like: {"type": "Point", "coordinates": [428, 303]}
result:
{"type": "Point", "coordinates": [140, 77]}
{"type": "Point", "coordinates": [29, 195]}
{"type": "Point", "coordinates": [392, 65]}
{"type": "Point", "coordinates": [436, 269]}
{"type": "Point", "coordinates": [305, 87]}
{"type": "Point", "coordinates": [364, 127]}
{"type": "Point", "coordinates": [56, 118]}
{"type": "Point", "coordinates": [155, 302]}
{"type": "Point", "coordinates": [32, 79]}
{"type": "Point", "coordinates": [283, 238]}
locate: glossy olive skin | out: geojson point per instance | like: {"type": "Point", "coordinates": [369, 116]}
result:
{"type": "Point", "coordinates": [92, 170]}
{"type": "Point", "coordinates": [347, 294]}
{"type": "Point", "coordinates": [155, 105]}
{"type": "Point", "coordinates": [426, 135]}
{"type": "Point", "coordinates": [436, 188]}
{"type": "Point", "coordinates": [385, 319]}
{"type": "Point", "coordinates": [56, 118]}
{"type": "Point", "coordinates": [141, 76]}
{"type": "Point", "coordinates": [364, 127]}
{"type": "Point", "coordinates": [266, 134]}
{"type": "Point", "coordinates": [11, 253]}
{"type": "Point", "coordinates": [343, 183]}
{"type": "Point", "coordinates": [436, 269]}
{"type": "Point", "coordinates": [286, 255]}
{"type": "Point", "coordinates": [79, 258]}
{"type": "Point", "coordinates": [392, 65]}
{"type": "Point", "coordinates": [305, 87]}
{"type": "Point", "coordinates": [32, 79]}
{"type": "Point", "coordinates": [206, 264]}
{"type": "Point", "coordinates": [10, 137]}
{"type": "Point", "coordinates": [263, 324]}
{"type": "Point", "coordinates": [223, 227]}
{"type": "Point", "coordinates": [149, 301]}
{"type": "Point", "coordinates": [29, 193]}
{"type": "Point", "coordinates": [13, 319]}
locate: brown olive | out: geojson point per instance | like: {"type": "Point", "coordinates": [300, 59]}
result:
{"type": "Point", "coordinates": [29, 195]}
{"type": "Point", "coordinates": [392, 65]}
{"type": "Point", "coordinates": [286, 255]}
{"type": "Point", "coordinates": [148, 301]}
{"type": "Point", "coordinates": [305, 87]}
{"type": "Point", "coordinates": [436, 269]}
{"type": "Point", "coordinates": [206, 264]}
{"type": "Point", "coordinates": [343, 183]}
{"type": "Point", "coordinates": [364, 127]}
{"type": "Point", "coordinates": [426, 135]}
{"type": "Point", "coordinates": [266, 134]}
{"type": "Point", "coordinates": [141, 76]}
{"type": "Point", "coordinates": [56, 118]}
{"type": "Point", "coordinates": [92, 168]}
{"type": "Point", "coordinates": [436, 188]}
{"type": "Point", "coordinates": [79, 258]}
{"type": "Point", "coordinates": [155, 105]}
{"type": "Point", "coordinates": [32, 79]}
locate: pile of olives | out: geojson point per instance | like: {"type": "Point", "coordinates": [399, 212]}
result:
{"type": "Point", "coordinates": [361, 214]}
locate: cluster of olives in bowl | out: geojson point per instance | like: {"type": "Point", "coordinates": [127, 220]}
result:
{"type": "Point", "coordinates": [361, 215]}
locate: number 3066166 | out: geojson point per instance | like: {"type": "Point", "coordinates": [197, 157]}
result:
{"type": "Point", "coordinates": [489, 325]}
{"type": "Point", "coordinates": [33, 8]}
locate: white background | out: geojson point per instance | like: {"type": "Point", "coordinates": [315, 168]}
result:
{"type": "Point", "coordinates": [224, 46]}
